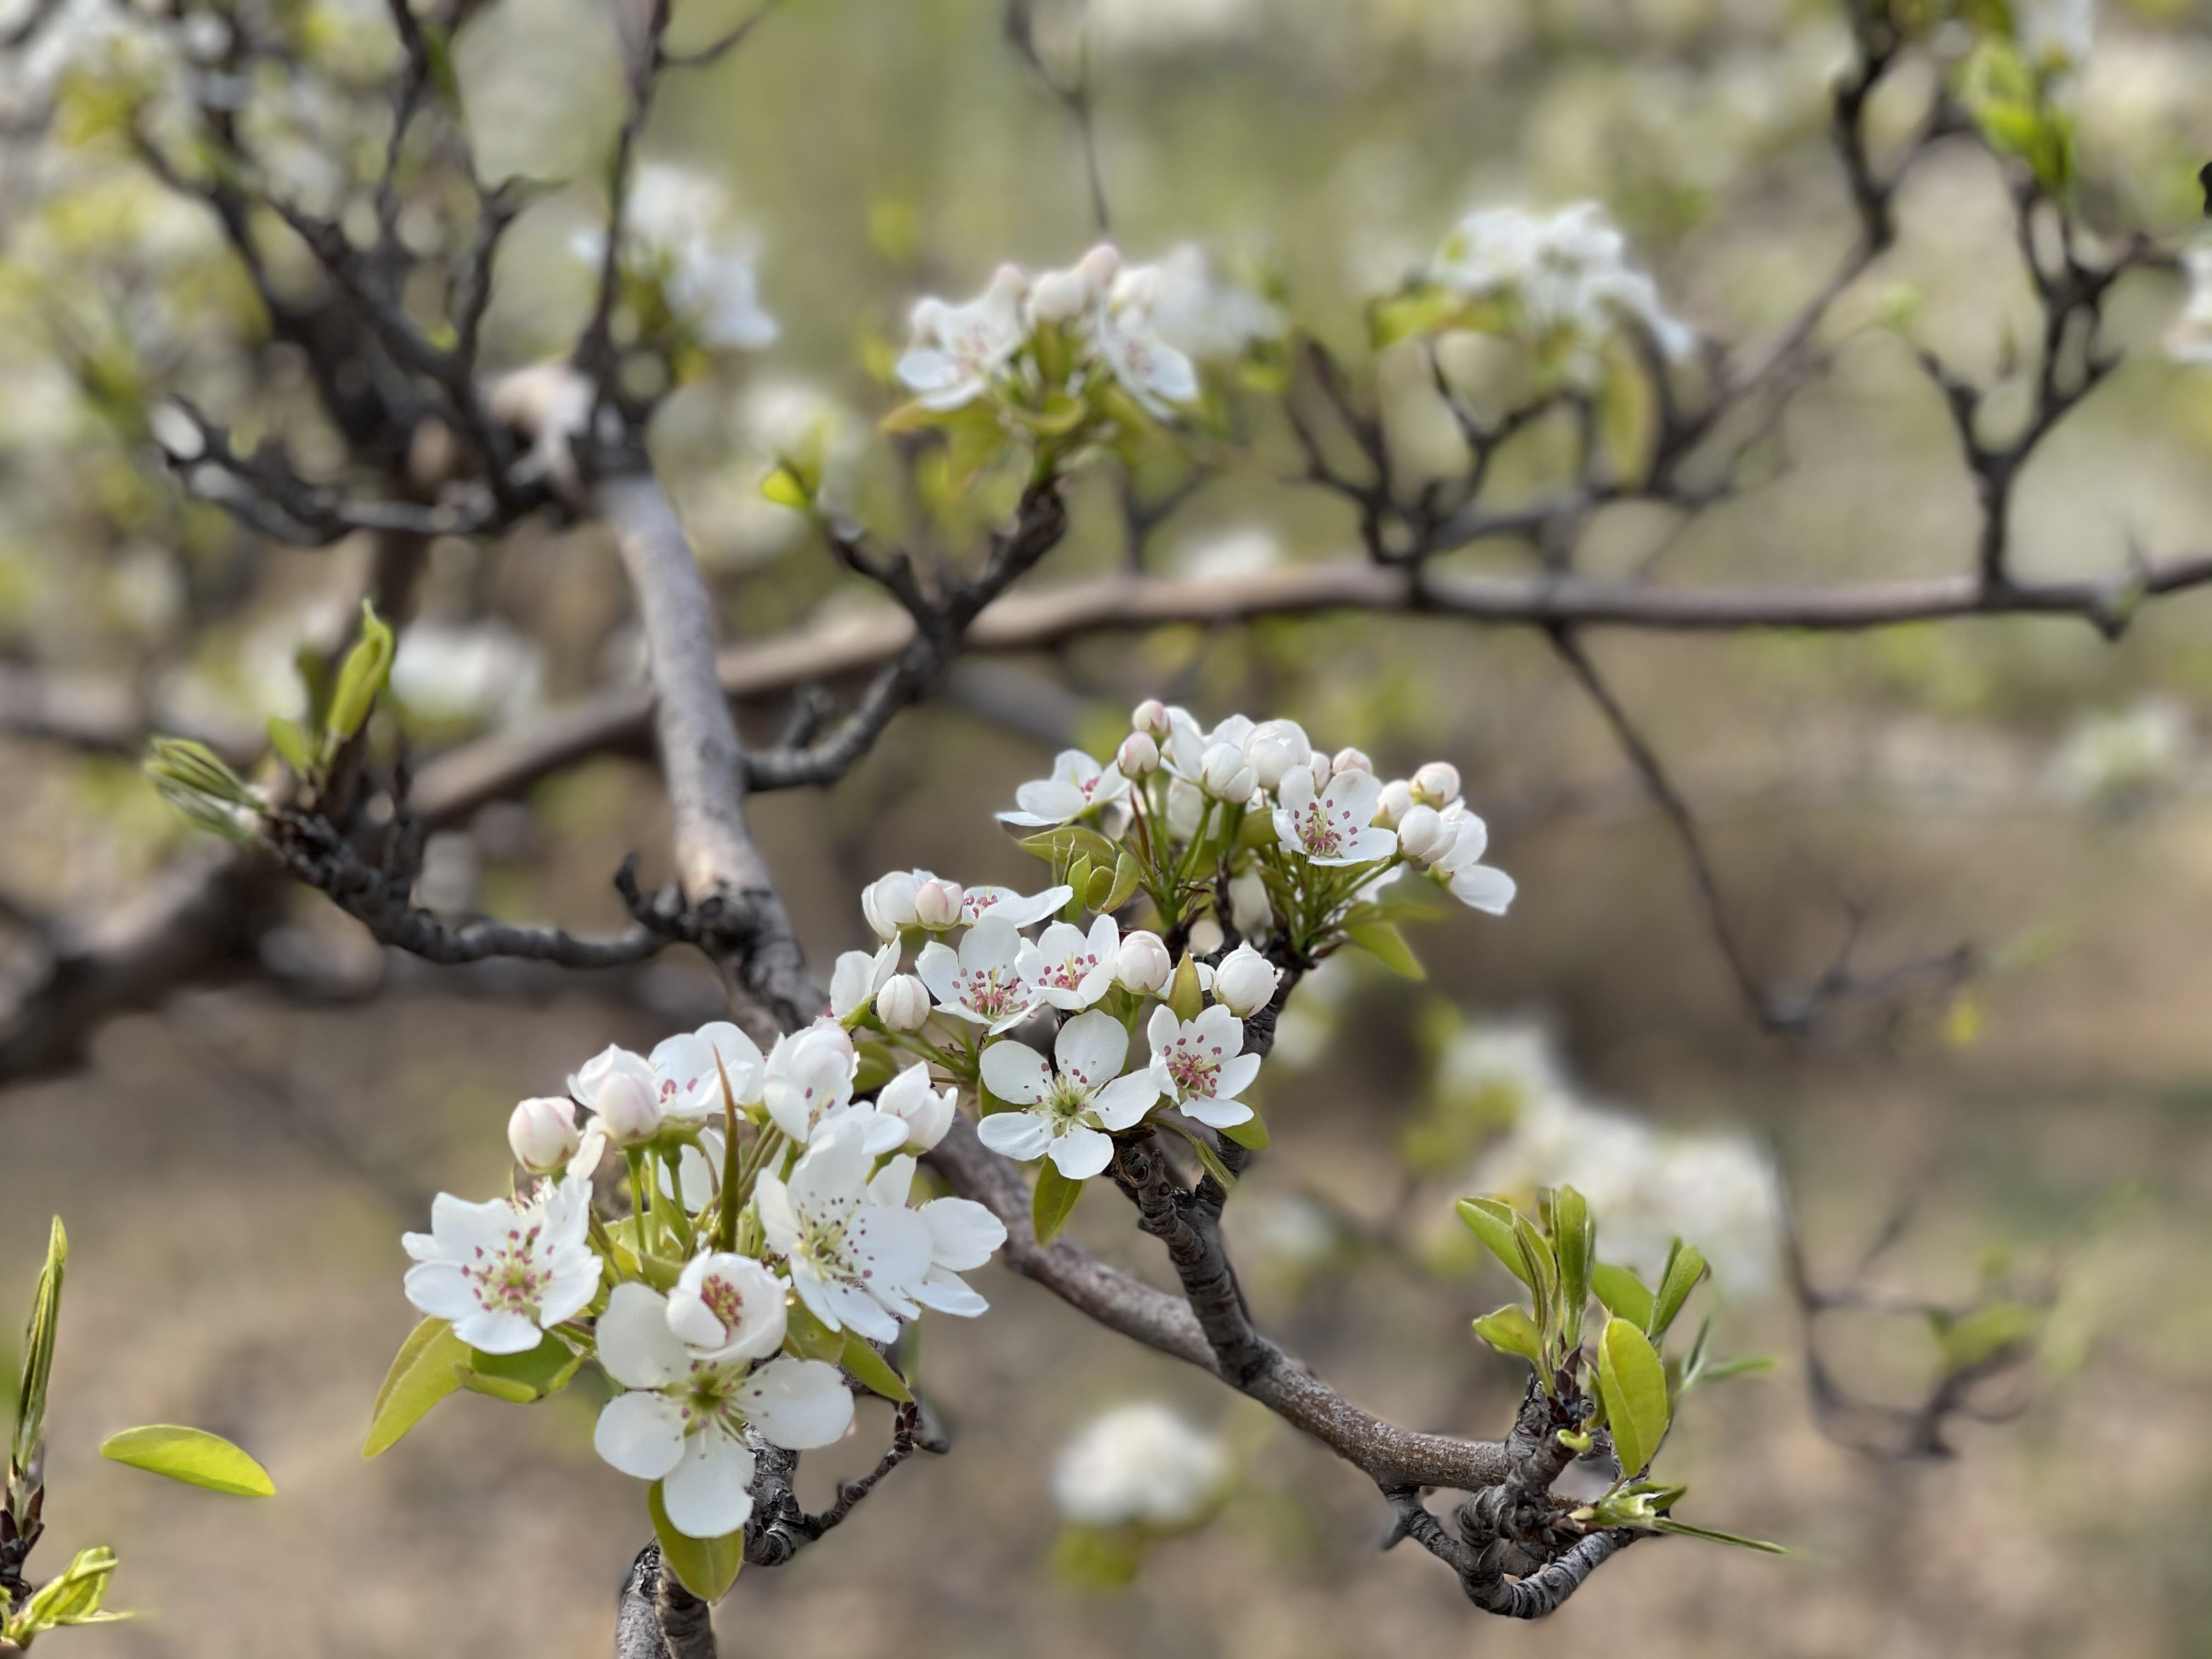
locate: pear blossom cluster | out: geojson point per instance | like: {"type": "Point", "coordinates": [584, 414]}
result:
{"type": "Point", "coordinates": [1560, 283]}
{"type": "Point", "coordinates": [721, 1306]}
{"type": "Point", "coordinates": [673, 244]}
{"type": "Point", "coordinates": [774, 1239]}
{"type": "Point", "coordinates": [1059, 348]}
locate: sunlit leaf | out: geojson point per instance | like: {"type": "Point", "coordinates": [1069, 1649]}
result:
{"type": "Point", "coordinates": [192, 1455]}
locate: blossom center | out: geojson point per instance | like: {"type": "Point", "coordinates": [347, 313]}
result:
{"type": "Point", "coordinates": [1193, 1068]}
{"type": "Point", "coordinates": [1068, 976]}
{"type": "Point", "coordinates": [507, 1278]}
{"type": "Point", "coordinates": [1324, 829]}
{"type": "Point", "coordinates": [993, 992]}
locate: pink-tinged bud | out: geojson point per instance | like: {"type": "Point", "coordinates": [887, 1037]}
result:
{"type": "Point", "coordinates": [1397, 800]}
{"type": "Point", "coordinates": [1150, 717]}
{"type": "Point", "coordinates": [925, 1110]}
{"type": "Point", "coordinates": [1422, 834]}
{"type": "Point", "coordinates": [1100, 266]}
{"type": "Point", "coordinates": [936, 904]}
{"type": "Point", "coordinates": [1437, 784]}
{"type": "Point", "coordinates": [1138, 757]}
{"type": "Point", "coordinates": [903, 1004]}
{"type": "Point", "coordinates": [543, 1135]}
{"type": "Point", "coordinates": [627, 1110]}
{"type": "Point", "coordinates": [887, 903]}
{"type": "Point", "coordinates": [1351, 760]}
{"type": "Point", "coordinates": [831, 1031]}
{"type": "Point", "coordinates": [1142, 964]}
{"type": "Point", "coordinates": [1244, 981]}
{"type": "Point", "coordinates": [1225, 774]}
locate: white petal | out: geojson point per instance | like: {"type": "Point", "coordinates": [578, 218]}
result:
{"type": "Point", "coordinates": [1014, 1071]}
{"type": "Point", "coordinates": [799, 1404]}
{"type": "Point", "coordinates": [709, 1494]}
{"type": "Point", "coordinates": [1218, 1114]}
{"type": "Point", "coordinates": [949, 1293]}
{"type": "Point", "coordinates": [1091, 1047]}
{"type": "Point", "coordinates": [440, 1290]}
{"type": "Point", "coordinates": [641, 1434]}
{"type": "Point", "coordinates": [938, 966]}
{"type": "Point", "coordinates": [499, 1332]}
{"type": "Point", "coordinates": [1123, 1102]}
{"type": "Point", "coordinates": [1160, 1031]}
{"type": "Point", "coordinates": [963, 1234]}
{"type": "Point", "coordinates": [636, 1347]}
{"type": "Point", "coordinates": [1235, 1076]}
{"type": "Point", "coordinates": [1484, 888]}
{"type": "Point", "coordinates": [1019, 1135]}
{"type": "Point", "coordinates": [1081, 1153]}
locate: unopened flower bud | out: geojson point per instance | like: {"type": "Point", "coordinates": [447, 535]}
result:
{"type": "Point", "coordinates": [1422, 834]}
{"type": "Point", "coordinates": [887, 903]}
{"type": "Point", "coordinates": [543, 1135]}
{"type": "Point", "coordinates": [627, 1110]}
{"type": "Point", "coordinates": [1273, 748]}
{"type": "Point", "coordinates": [1351, 760]}
{"type": "Point", "coordinates": [1060, 296]}
{"type": "Point", "coordinates": [1225, 774]}
{"type": "Point", "coordinates": [1244, 981]}
{"type": "Point", "coordinates": [1397, 800]}
{"type": "Point", "coordinates": [1142, 964]}
{"type": "Point", "coordinates": [1150, 717]}
{"type": "Point", "coordinates": [936, 904]}
{"type": "Point", "coordinates": [925, 1110]}
{"type": "Point", "coordinates": [1138, 757]}
{"type": "Point", "coordinates": [1437, 784]}
{"type": "Point", "coordinates": [903, 1004]}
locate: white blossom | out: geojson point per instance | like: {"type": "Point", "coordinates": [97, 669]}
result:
{"type": "Point", "coordinates": [1151, 718]}
{"type": "Point", "coordinates": [728, 1307]}
{"type": "Point", "coordinates": [1200, 1064]}
{"type": "Point", "coordinates": [1126, 338]}
{"type": "Point", "coordinates": [1070, 1104]}
{"type": "Point", "coordinates": [686, 1421]}
{"type": "Point", "coordinates": [958, 351]}
{"type": "Point", "coordinates": [482, 673]}
{"type": "Point", "coordinates": [1142, 963]}
{"type": "Point", "coordinates": [671, 234]}
{"type": "Point", "coordinates": [621, 1087]}
{"type": "Point", "coordinates": [541, 1134]}
{"type": "Point", "coordinates": [1437, 784]}
{"type": "Point", "coordinates": [807, 1087]}
{"type": "Point", "coordinates": [1244, 981]}
{"type": "Point", "coordinates": [916, 1101]}
{"type": "Point", "coordinates": [1071, 969]}
{"type": "Point", "coordinates": [1078, 784]}
{"type": "Point", "coordinates": [688, 1070]}
{"type": "Point", "coordinates": [1005, 905]}
{"type": "Point", "coordinates": [1141, 1464]}
{"type": "Point", "coordinates": [939, 905]}
{"type": "Point", "coordinates": [981, 982]}
{"type": "Point", "coordinates": [1477, 885]}
{"type": "Point", "coordinates": [888, 902]}
{"type": "Point", "coordinates": [852, 1260]}
{"type": "Point", "coordinates": [506, 1272]}
{"type": "Point", "coordinates": [1335, 827]}
{"type": "Point", "coordinates": [1204, 317]}
{"type": "Point", "coordinates": [857, 977]}
{"type": "Point", "coordinates": [962, 1235]}
{"type": "Point", "coordinates": [903, 1004]}
{"type": "Point", "coordinates": [1138, 757]}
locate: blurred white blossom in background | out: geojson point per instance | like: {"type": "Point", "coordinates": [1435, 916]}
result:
{"type": "Point", "coordinates": [481, 673]}
{"type": "Point", "coordinates": [2118, 759]}
{"type": "Point", "coordinates": [1502, 1081]}
{"type": "Point", "coordinates": [1141, 1464]}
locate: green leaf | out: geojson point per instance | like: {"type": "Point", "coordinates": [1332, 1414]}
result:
{"type": "Point", "coordinates": [706, 1566]}
{"type": "Point", "coordinates": [1633, 1386]}
{"type": "Point", "coordinates": [782, 486]}
{"type": "Point", "coordinates": [1493, 1223]}
{"type": "Point", "coordinates": [1251, 1134]}
{"type": "Point", "coordinates": [1079, 882]}
{"type": "Point", "coordinates": [873, 1370]}
{"type": "Point", "coordinates": [1383, 941]}
{"type": "Point", "coordinates": [422, 1374]}
{"type": "Point", "coordinates": [1212, 1161]}
{"type": "Point", "coordinates": [1098, 1558]}
{"type": "Point", "coordinates": [192, 1455]}
{"type": "Point", "coordinates": [1753, 1365]}
{"type": "Point", "coordinates": [38, 1337]}
{"type": "Point", "coordinates": [1184, 996]}
{"type": "Point", "coordinates": [1542, 1277]}
{"type": "Point", "coordinates": [1622, 1292]}
{"type": "Point", "coordinates": [1574, 1242]}
{"type": "Point", "coordinates": [806, 1336]}
{"type": "Point", "coordinates": [1420, 310]}
{"type": "Point", "coordinates": [1509, 1330]}
{"type": "Point", "coordinates": [366, 667]}
{"type": "Point", "coordinates": [1052, 1202]}
{"type": "Point", "coordinates": [291, 745]}
{"type": "Point", "coordinates": [1126, 874]}
{"type": "Point", "coordinates": [546, 1369]}
{"type": "Point", "coordinates": [1667, 1523]}
{"type": "Point", "coordinates": [1977, 1337]}
{"type": "Point", "coordinates": [1686, 1266]}
{"type": "Point", "coordinates": [72, 1597]}
{"type": "Point", "coordinates": [497, 1388]}
{"type": "Point", "coordinates": [1094, 894]}
{"type": "Point", "coordinates": [1063, 845]}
